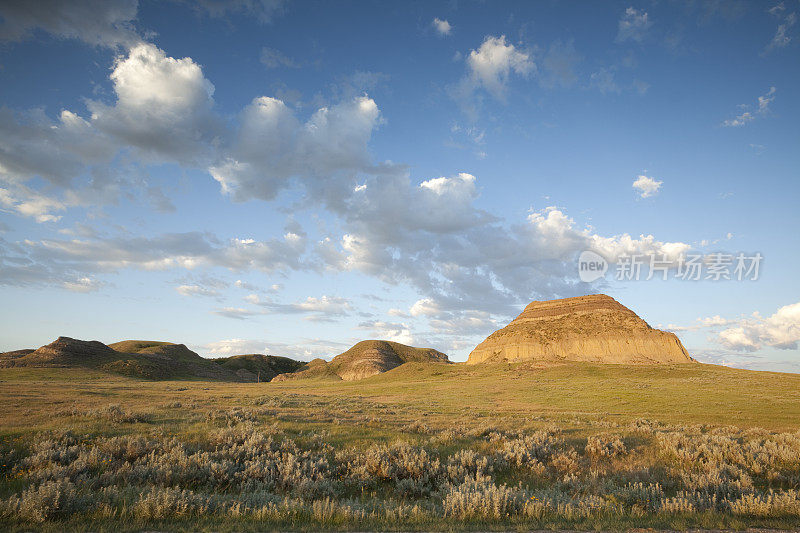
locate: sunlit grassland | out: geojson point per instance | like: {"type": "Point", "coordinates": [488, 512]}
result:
{"type": "Point", "coordinates": [425, 446]}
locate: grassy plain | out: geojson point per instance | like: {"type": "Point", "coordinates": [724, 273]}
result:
{"type": "Point", "coordinates": [424, 446]}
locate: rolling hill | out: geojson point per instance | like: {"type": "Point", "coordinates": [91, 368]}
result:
{"type": "Point", "coordinates": [365, 359]}
{"type": "Point", "coordinates": [150, 360]}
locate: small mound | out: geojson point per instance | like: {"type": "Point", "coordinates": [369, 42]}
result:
{"type": "Point", "coordinates": [259, 366]}
{"type": "Point", "coordinates": [365, 359]}
{"type": "Point", "coordinates": [314, 369]}
{"type": "Point", "coordinates": [66, 351]}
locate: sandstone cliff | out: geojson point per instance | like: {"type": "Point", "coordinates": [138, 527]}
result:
{"type": "Point", "coordinates": [593, 328]}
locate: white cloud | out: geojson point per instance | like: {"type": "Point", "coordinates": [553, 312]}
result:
{"type": "Point", "coordinates": [458, 189]}
{"type": "Point", "coordinates": [304, 350]}
{"type": "Point", "coordinates": [238, 313]}
{"type": "Point", "coordinates": [96, 22]}
{"type": "Point", "coordinates": [30, 203]}
{"type": "Point", "coordinates": [84, 284]}
{"type": "Point", "coordinates": [442, 26]}
{"type": "Point", "coordinates": [493, 62]}
{"type": "Point", "coordinates": [762, 108]}
{"type": "Point", "coordinates": [633, 25]}
{"type": "Point", "coordinates": [765, 100]}
{"type": "Point", "coordinates": [239, 284]}
{"type": "Point", "coordinates": [714, 321]}
{"type": "Point", "coordinates": [43, 262]}
{"type": "Point", "coordinates": [164, 105]}
{"type": "Point", "coordinates": [782, 38]}
{"type": "Point", "coordinates": [273, 147]}
{"type": "Point", "coordinates": [711, 322]}
{"type": "Point", "coordinates": [229, 347]}
{"type": "Point", "coordinates": [317, 309]}
{"type": "Point", "coordinates": [389, 331]}
{"type": "Point", "coordinates": [196, 290]}
{"type": "Point", "coordinates": [461, 257]}
{"type": "Point", "coordinates": [428, 234]}
{"type": "Point", "coordinates": [425, 307]}
{"type": "Point", "coordinates": [58, 151]}
{"type": "Point", "coordinates": [325, 304]}
{"type": "Point", "coordinates": [781, 330]}
{"type": "Point", "coordinates": [163, 110]}
{"type": "Point", "coordinates": [646, 186]}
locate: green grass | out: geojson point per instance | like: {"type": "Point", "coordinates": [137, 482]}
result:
{"type": "Point", "coordinates": [666, 417]}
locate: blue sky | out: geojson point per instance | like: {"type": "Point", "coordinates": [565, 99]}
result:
{"type": "Point", "coordinates": [292, 177]}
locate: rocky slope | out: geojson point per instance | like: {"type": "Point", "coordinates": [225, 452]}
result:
{"type": "Point", "coordinates": [593, 328]}
{"type": "Point", "coordinates": [365, 359]}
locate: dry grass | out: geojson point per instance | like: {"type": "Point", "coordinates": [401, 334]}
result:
{"type": "Point", "coordinates": [422, 447]}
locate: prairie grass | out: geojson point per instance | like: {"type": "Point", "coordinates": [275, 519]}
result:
{"type": "Point", "coordinates": [461, 448]}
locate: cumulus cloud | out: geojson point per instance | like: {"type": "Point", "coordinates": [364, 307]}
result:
{"type": "Point", "coordinates": [425, 307]}
{"type": "Point", "coordinates": [646, 186]}
{"type": "Point", "coordinates": [164, 105]}
{"type": "Point", "coordinates": [491, 65]}
{"type": "Point", "coordinates": [761, 109]}
{"type": "Point", "coordinates": [96, 22]}
{"type": "Point", "coordinates": [428, 234]}
{"type": "Point", "coordinates": [460, 257]}
{"type": "Point", "coordinates": [780, 330]}
{"type": "Point", "coordinates": [633, 25]}
{"type": "Point", "coordinates": [163, 112]}
{"type": "Point", "coordinates": [442, 26]}
{"type": "Point", "coordinates": [273, 147]}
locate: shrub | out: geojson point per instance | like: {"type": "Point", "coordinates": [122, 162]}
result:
{"type": "Point", "coordinates": [604, 447]}
{"type": "Point", "coordinates": [51, 499]}
{"type": "Point", "coordinates": [161, 503]}
{"type": "Point", "coordinates": [480, 498]}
